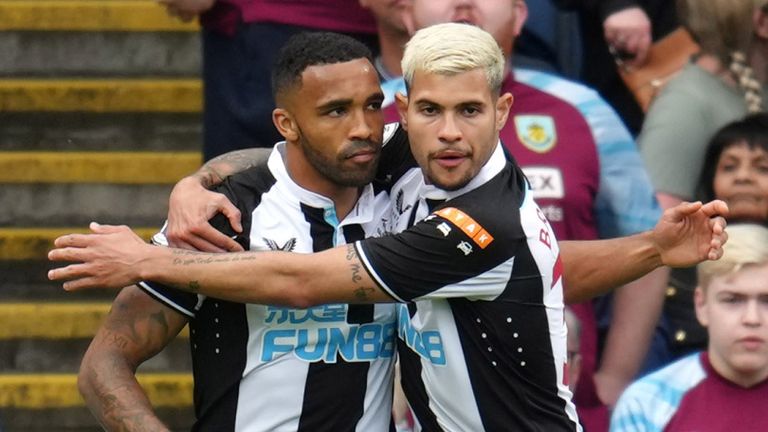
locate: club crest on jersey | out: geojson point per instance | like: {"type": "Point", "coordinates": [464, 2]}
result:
{"type": "Point", "coordinates": [287, 247]}
{"type": "Point", "coordinates": [399, 203]}
{"type": "Point", "coordinates": [536, 132]}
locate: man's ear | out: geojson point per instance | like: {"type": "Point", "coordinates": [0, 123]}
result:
{"type": "Point", "coordinates": [503, 105]}
{"type": "Point", "coordinates": [760, 23]}
{"type": "Point", "coordinates": [285, 124]}
{"type": "Point", "coordinates": [406, 14]}
{"type": "Point", "coordinates": [402, 109]}
{"type": "Point", "coordinates": [521, 16]}
{"type": "Point", "coordinates": [700, 304]}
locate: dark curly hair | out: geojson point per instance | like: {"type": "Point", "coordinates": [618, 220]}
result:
{"type": "Point", "coordinates": [311, 49]}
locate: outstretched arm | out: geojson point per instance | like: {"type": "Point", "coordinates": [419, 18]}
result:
{"type": "Point", "coordinates": [685, 235]}
{"type": "Point", "coordinates": [191, 205]}
{"type": "Point", "coordinates": [136, 329]}
{"type": "Point", "coordinates": [115, 255]}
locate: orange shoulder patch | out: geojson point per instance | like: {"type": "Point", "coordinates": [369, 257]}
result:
{"type": "Point", "coordinates": [470, 227]}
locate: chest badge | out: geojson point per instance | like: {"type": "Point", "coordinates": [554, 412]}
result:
{"type": "Point", "coordinates": [536, 132]}
{"type": "Point", "coordinates": [287, 247]}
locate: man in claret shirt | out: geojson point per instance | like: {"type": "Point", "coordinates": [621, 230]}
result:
{"type": "Point", "coordinates": [726, 387]}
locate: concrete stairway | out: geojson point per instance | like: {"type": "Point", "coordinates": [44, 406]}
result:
{"type": "Point", "coordinates": [99, 115]}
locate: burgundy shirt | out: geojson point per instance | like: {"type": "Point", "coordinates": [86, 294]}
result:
{"type": "Point", "coordinates": [346, 16]}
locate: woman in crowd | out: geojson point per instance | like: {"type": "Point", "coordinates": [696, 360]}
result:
{"type": "Point", "coordinates": [736, 171]}
{"type": "Point", "coordinates": [723, 83]}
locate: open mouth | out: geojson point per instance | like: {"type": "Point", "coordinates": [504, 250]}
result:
{"type": "Point", "coordinates": [450, 159]}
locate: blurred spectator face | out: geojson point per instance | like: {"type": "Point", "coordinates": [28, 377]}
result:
{"type": "Point", "coordinates": [501, 18]}
{"type": "Point", "coordinates": [388, 13]}
{"type": "Point", "coordinates": [734, 308]}
{"type": "Point", "coordinates": [741, 180]}
{"type": "Point", "coordinates": [335, 116]}
{"type": "Point", "coordinates": [573, 347]}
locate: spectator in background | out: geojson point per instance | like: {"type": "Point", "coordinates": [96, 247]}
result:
{"type": "Point", "coordinates": [588, 178]}
{"type": "Point", "coordinates": [724, 388]}
{"type": "Point", "coordinates": [241, 39]}
{"type": "Point", "coordinates": [574, 348]}
{"type": "Point", "coordinates": [725, 82]}
{"type": "Point", "coordinates": [626, 27]}
{"type": "Point", "coordinates": [735, 171]}
{"type": "Point", "coordinates": [550, 40]}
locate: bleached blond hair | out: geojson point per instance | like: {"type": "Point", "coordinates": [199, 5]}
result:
{"type": "Point", "coordinates": [450, 49]}
{"type": "Point", "coordinates": [747, 245]}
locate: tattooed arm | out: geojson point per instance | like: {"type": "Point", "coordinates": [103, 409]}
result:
{"type": "Point", "coordinates": [136, 329]}
{"type": "Point", "coordinates": [191, 205]}
{"type": "Point", "coordinates": [115, 256]}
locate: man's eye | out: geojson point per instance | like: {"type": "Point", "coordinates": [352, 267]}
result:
{"type": "Point", "coordinates": [337, 112]}
{"type": "Point", "coordinates": [375, 106]}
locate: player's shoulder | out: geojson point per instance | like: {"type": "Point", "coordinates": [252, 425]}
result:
{"type": "Point", "coordinates": [249, 183]}
{"type": "Point", "coordinates": [496, 204]}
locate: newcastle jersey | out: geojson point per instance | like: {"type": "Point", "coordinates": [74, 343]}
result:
{"type": "Point", "coordinates": [482, 336]}
{"type": "Point", "coordinates": [270, 368]}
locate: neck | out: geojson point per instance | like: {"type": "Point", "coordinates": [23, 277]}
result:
{"type": "Point", "coordinates": [713, 65]}
{"type": "Point", "coordinates": [745, 380]}
{"type": "Point", "coordinates": [758, 60]}
{"type": "Point", "coordinates": [392, 44]}
{"type": "Point", "coordinates": [306, 176]}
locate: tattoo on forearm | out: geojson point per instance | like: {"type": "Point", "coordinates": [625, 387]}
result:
{"type": "Point", "coordinates": [361, 293]}
{"type": "Point", "coordinates": [193, 286]}
{"type": "Point", "coordinates": [197, 258]}
{"type": "Point", "coordinates": [117, 339]}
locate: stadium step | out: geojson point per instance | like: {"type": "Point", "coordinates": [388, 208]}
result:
{"type": "Point", "coordinates": [78, 131]}
{"type": "Point", "coordinates": [34, 243]}
{"type": "Point", "coordinates": [89, 15]}
{"type": "Point", "coordinates": [101, 95]}
{"type": "Point", "coordinates": [29, 401]}
{"type": "Point", "coordinates": [97, 167]}
{"type": "Point", "coordinates": [100, 114]}
{"type": "Point", "coordinates": [37, 336]}
{"type": "Point", "coordinates": [42, 54]}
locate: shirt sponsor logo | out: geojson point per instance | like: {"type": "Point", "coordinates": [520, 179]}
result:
{"type": "Point", "coordinates": [427, 344]}
{"type": "Point", "coordinates": [322, 334]}
{"type": "Point", "coordinates": [470, 227]}
{"type": "Point", "coordinates": [546, 182]}
{"type": "Point", "coordinates": [536, 132]}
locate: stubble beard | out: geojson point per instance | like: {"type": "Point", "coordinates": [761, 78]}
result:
{"type": "Point", "coordinates": [334, 170]}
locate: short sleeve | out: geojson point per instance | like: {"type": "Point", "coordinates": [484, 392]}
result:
{"type": "Point", "coordinates": [448, 254]}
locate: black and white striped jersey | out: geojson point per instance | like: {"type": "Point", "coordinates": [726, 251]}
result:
{"type": "Point", "coordinates": [268, 368]}
{"type": "Point", "coordinates": [482, 336]}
